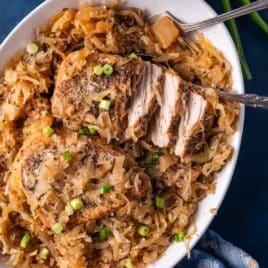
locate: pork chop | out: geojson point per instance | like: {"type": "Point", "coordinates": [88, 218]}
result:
{"type": "Point", "coordinates": [50, 181]}
{"type": "Point", "coordinates": [77, 94]}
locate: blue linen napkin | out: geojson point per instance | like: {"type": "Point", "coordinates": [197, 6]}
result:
{"type": "Point", "coordinates": [212, 251]}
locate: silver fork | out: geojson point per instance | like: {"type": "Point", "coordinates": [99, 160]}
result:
{"type": "Point", "coordinates": [189, 27]}
{"type": "Point", "coordinates": [251, 100]}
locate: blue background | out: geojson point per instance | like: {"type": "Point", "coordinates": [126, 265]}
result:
{"type": "Point", "coordinates": [243, 218]}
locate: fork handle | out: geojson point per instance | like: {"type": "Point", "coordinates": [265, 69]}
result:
{"type": "Point", "coordinates": [252, 7]}
{"type": "Point", "coordinates": [251, 100]}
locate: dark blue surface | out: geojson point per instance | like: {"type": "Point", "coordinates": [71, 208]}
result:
{"type": "Point", "coordinates": [243, 218]}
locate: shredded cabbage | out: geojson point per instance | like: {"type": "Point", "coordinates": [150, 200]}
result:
{"type": "Point", "coordinates": [25, 88]}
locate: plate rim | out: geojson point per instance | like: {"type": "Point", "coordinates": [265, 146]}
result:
{"type": "Point", "coordinates": [172, 260]}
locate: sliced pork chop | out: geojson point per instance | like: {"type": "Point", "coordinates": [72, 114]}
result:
{"type": "Point", "coordinates": [196, 118]}
{"type": "Point", "coordinates": [145, 100]}
{"type": "Point", "coordinates": [78, 92]}
{"type": "Point", "coordinates": [167, 117]}
{"type": "Point", "coordinates": [50, 181]}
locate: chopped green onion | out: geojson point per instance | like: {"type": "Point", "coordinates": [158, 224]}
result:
{"type": "Point", "coordinates": [84, 131]}
{"type": "Point", "coordinates": [77, 203]}
{"type": "Point", "coordinates": [105, 188]}
{"type": "Point", "coordinates": [67, 156]}
{"type": "Point", "coordinates": [98, 70]}
{"type": "Point", "coordinates": [32, 48]}
{"type": "Point", "coordinates": [128, 264]}
{"type": "Point", "coordinates": [104, 233]}
{"type": "Point", "coordinates": [160, 202]}
{"type": "Point", "coordinates": [149, 166]}
{"type": "Point", "coordinates": [69, 210]}
{"type": "Point", "coordinates": [48, 131]}
{"type": "Point", "coordinates": [87, 131]}
{"type": "Point", "coordinates": [236, 37]}
{"type": "Point", "coordinates": [143, 230]}
{"type": "Point", "coordinates": [256, 17]}
{"type": "Point", "coordinates": [57, 228]}
{"type": "Point", "coordinates": [25, 240]}
{"type": "Point", "coordinates": [92, 131]}
{"type": "Point", "coordinates": [133, 55]}
{"type": "Point", "coordinates": [44, 253]}
{"type": "Point", "coordinates": [155, 156]}
{"type": "Point", "coordinates": [108, 69]}
{"type": "Point", "coordinates": [105, 105]}
{"type": "Point", "coordinates": [180, 236]}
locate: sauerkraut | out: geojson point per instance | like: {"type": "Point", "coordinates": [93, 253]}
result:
{"type": "Point", "coordinates": [26, 86]}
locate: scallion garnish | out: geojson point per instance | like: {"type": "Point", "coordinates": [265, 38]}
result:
{"type": "Point", "coordinates": [57, 228]}
{"type": "Point", "coordinates": [160, 202]}
{"type": "Point", "coordinates": [77, 203]}
{"type": "Point", "coordinates": [105, 105]}
{"type": "Point", "coordinates": [106, 188]}
{"type": "Point", "coordinates": [84, 131]}
{"type": "Point", "coordinates": [155, 156]}
{"type": "Point", "coordinates": [180, 236]}
{"type": "Point", "coordinates": [143, 230]}
{"type": "Point", "coordinates": [67, 156]}
{"type": "Point", "coordinates": [32, 48]}
{"type": "Point", "coordinates": [48, 131]}
{"type": "Point", "coordinates": [108, 69]}
{"type": "Point", "coordinates": [104, 233]}
{"type": "Point", "coordinates": [98, 70]}
{"type": "Point", "coordinates": [87, 131]}
{"type": "Point", "coordinates": [25, 240]}
{"type": "Point", "coordinates": [44, 253]}
{"type": "Point", "coordinates": [92, 131]}
{"type": "Point", "coordinates": [148, 159]}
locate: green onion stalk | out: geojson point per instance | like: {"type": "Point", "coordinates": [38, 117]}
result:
{"type": "Point", "coordinates": [256, 17]}
{"type": "Point", "coordinates": [236, 37]}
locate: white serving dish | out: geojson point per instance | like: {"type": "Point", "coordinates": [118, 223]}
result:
{"type": "Point", "coordinates": [188, 11]}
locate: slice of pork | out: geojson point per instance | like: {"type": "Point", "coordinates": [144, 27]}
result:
{"type": "Point", "coordinates": [194, 121]}
{"type": "Point", "coordinates": [167, 117]}
{"type": "Point", "coordinates": [144, 100]}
